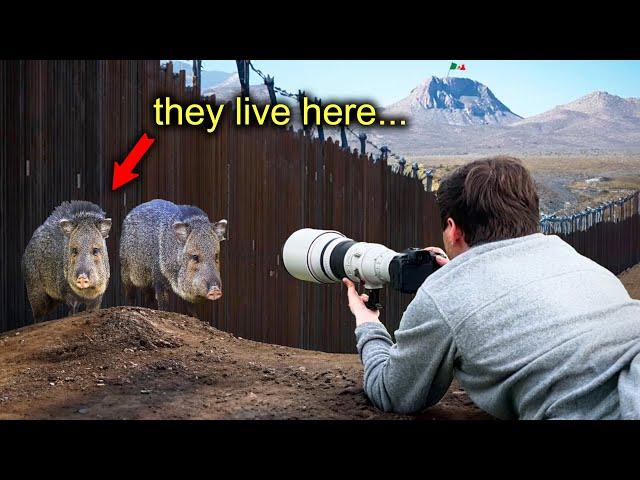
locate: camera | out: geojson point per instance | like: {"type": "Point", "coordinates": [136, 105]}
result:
{"type": "Point", "coordinates": [327, 256]}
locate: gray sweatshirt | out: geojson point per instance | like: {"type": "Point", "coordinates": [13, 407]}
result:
{"type": "Point", "coordinates": [530, 328]}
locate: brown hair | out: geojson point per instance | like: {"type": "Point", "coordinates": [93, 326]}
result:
{"type": "Point", "coordinates": [490, 199]}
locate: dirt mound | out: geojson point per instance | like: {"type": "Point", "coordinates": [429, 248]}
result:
{"type": "Point", "coordinates": [135, 363]}
{"type": "Point", "coordinates": [132, 329]}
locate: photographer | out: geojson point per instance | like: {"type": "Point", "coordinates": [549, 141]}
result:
{"type": "Point", "coordinates": [530, 328]}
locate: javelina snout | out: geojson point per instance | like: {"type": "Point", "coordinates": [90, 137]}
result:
{"type": "Point", "coordinates": [214, 293]}
{"type": "Point", "coordinates": [211, 287]}
{"type": "Point", "coordinates": [82, 281]}
{"type": "Point", "coordinates": [166, 246]}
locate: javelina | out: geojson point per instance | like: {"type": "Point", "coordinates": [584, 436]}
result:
{"type": "Point", "coordinates": [66, 259]}
{"type": "Point", "coordinates": [165, 246]}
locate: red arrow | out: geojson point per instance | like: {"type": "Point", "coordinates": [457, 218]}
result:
{"type": "Point", "coordinates": [123, 173]}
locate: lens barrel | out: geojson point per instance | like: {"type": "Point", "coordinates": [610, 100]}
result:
{"type": "Point", "coordinates": [307, 255]}
{"type": "Point", "coordinates": [336, 262]}
{"type": "Point", "coordinates": [327, 256]}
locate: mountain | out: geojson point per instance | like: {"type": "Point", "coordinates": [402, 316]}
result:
{"type": "Point", "coordinates": [210, 78]}
{"type": "Point", "coordinates": [452, 101]}
{"type": "Point", "coordinates": [595, 122]}
{"type": "Point", "coordinates": [458, 116]}
{"type": "Point", "coordinates": [230, 89]}
{"type": "Point", "coordinates": [603, 104]}
{"type": "Point", "coordinates": [596, 110]}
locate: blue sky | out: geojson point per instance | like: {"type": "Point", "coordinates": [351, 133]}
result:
{"type": "Point", "coordinates": [527, 87]}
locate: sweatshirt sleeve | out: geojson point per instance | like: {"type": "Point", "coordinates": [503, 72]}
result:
{"type": "Point", "coordinates": [416, 371]}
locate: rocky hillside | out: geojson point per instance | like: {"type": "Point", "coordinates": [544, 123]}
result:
{"type": "Point", "coordinates": [209, 77]}
{"type": "Point", "coordinates": [452, 101]}
{"type": "Point", "coordinates": [229, 89]}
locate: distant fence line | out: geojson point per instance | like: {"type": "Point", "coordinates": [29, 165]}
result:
{"type": "Point", "coordinates": [612, 211]}
{"type": "Point", "coordinates": [608, 233]}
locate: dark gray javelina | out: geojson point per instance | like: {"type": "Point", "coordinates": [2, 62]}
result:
{"type": "Point", "coordinates": [66, 259]}
{"type": "Point", "coordinates": [167, 246]}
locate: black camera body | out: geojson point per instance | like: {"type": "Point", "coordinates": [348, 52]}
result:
{"type": "Point", "coordinates": [410, 269]}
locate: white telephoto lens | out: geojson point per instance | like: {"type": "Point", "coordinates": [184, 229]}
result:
{"type": "Point", "coordinates": [306, 254]}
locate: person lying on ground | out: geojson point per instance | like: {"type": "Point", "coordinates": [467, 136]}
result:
{"type": "Point", "coordinates": [529, 327]}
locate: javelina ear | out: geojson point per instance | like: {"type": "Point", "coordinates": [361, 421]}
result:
{"type": "Point", "coordinates": [104, 226]}
{"type": "Point", "coordinates": [180, 230]}
{"type": "Point", "coordinates": [66, 226]}
{"type": "Point", "coordinates": [220, 227]}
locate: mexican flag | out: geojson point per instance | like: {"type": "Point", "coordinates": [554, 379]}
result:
{"type": "Point", "coordinates": [455, 66]}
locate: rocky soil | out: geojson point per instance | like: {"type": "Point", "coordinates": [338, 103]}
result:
{"type": "Point", "coordinates": [136, 363]}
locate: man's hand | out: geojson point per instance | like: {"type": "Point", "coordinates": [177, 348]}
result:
{"type": "Point", "coordinates": [357, 306]}
{"type": "Point", "coordinates": [441, 257]}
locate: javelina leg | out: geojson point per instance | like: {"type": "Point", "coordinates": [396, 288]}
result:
{"type": "Point", "coordinates": [162, 296]}
{"type": "Point", "coordinates": [191, 308]}
{"type": "Point", "coordinates": [149, 298]}
{"type": "Point", "coordinates": [95, 305]}
{"type": "Point", "coordinates": [74, 305]}
{"type": "Point", "coordinates": [41, 304]}
{"type": "Point", "coordinates": [129, 293]}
